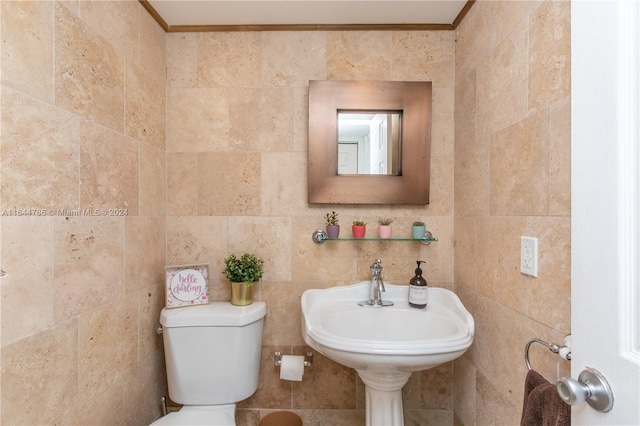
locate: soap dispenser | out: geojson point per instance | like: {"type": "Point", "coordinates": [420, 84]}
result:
{"type": "Point", "coordinates": [418, 289]}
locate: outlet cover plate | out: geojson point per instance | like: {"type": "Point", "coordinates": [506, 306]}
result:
{"type": "Point", "coordinates": [529, 256]}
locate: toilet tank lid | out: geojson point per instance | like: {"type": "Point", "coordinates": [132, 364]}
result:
{"type": "Point", "coordinates": [220, 314]}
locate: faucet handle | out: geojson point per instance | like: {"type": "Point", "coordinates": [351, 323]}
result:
{"type": "Point", "coordinates": [376, 268]}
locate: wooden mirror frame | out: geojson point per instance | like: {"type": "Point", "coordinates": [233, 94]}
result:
{"type": "Point", "coordinates": [412, 98]}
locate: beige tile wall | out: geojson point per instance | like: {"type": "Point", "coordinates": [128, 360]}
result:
{"type": "Point", "coordinates": [237, 175]}
{"type": "Point", "coordinates": [83, 128]}
{"type": "Point", "coordinates": [512, 178]}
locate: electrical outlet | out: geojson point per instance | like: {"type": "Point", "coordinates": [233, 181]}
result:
{"type": "Point", "coordinates": [529, 256]}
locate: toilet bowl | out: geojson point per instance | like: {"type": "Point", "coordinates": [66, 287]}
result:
{"type": "Point", "coordinates": [223, 415]}
{"type": "Point", "coordinates": [212, 354]}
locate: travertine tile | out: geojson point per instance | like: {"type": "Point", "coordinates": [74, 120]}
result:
{"type": "Point", "coordinates": [477, 37]}
{"type": "Point", "coordinates": [144, 385]}
{"type": "Point", "coordinates": [441, 193]}
{"type": "Point", "coordinates": [88, 263]}
{"type": "Point", "coordinates": [117, 21]}
{"type": "Point", "coordinates": [291, 59]}
{"type": "Point", "coordinates": [428, 417]}
{"type": "Point", "coordinates": [282, 324]}
{"type": "Point", "coordinates": [359, 55]}
{"type": "Point", "coordinates": [150, 302]}
{"type": "Point", "coordinates": [27, 47]}
{"type": "Point", "coordinates": [436, 387]}
{"type": "Point", "coordinates": [472, 155]}
{"type": "Point", "coordinates": [40, 154]}
{"type": "Point", "coordinates": [260, 120]}
{"type": "Point", "coordinates": [549, 53]}
{"type": "Point", "coordinates": [144, 108]}
{"type": "Point", "coordinates": [27, 289]}
{"type": "Point", "coordinates": [501, 80]}
{"type": "Point", "coordinates": [326, 385]}
{"type": "Point", "coordinates": [182, 184]}
{"type": "Point", "coordinates": [498, 272]}
{"type": "Point", "coordinates": [145, 254]}
{"type": "Point", "coordinates": [153, 181]}
{"type": "Point", "coordinates": [89, 73]}
{"type": "Point", "coordinates": [104, 411]}
{"type": "Point", "coordinates": [182, 59]}
{"type": "Point", "coordinates": [282, 196]}
{"type": "Point", "coordinates": [327, 263]}
{"type": "Point", "coordinates": [103, 186]}
{"type": "Point", "coordinates": [560, 158]}
{"type": "Point", "coordinates": [301, 119]}
{"type": "Point", "coordinates": [197, 119]}
{"type": "Point", "coordinates": [152, 47]}
{"type": "Point", "coordinates": [424, 56]}
{"type": "Point", "coordinates": [265, 237]}
{"type": "Point", "coordinates": [466, 252]}
{"type": "Point", "coordinates": [198, 239]}
{"type": "Point", "coordinates": [229, 59]}
{"type": "Point", "coordinates": [229, 184]}
{"type": "Point", "coordinates": [520, 168]}
{"type": "Point", "coordinates": [464, 390]}
{"type": "Point", "coordinates": [549, 295]}
{"type": "Point", "coordinates": [272, 391]}
{"type": "Point", "coordinates": [107, 348]}
{"type": "Point", "coordinates": [30, 367]}
{"type": "Point", "coordinates": [493, 407]}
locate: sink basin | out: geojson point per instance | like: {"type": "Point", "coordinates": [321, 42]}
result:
{"type": "Point", "coordinates": [385, 344]}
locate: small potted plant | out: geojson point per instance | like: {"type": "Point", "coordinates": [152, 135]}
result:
{"type": "Point", "coordinates": [418, 230]}
{"type": "Point", "coordinates": [358, 228]}
{"type": "Point", "coordinates": [333, 229]}
{"type": "Point", "coordinates": [384, 227]}
{"type": "Point", "coordinates": [243, 273]}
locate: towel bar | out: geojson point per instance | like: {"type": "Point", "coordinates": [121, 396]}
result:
{"type": "Point", "coordinates": [552, 347]}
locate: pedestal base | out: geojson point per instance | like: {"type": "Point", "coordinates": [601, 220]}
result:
{"type": "Point", "coordinates": [383, 397]}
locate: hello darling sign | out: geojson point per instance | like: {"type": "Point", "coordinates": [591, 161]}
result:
{"type": "Point", "coordinates": [187, 285]}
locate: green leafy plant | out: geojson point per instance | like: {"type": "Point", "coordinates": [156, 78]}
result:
{"type": "Point", "coordinates": [331, 218]}
{"type": "Point", "coordinates": [385, 221]}
{"type": "Point", "coordinates": [418, 223]}
{"type": "Point", "coordinates": [247, 269]}
{"type": "Point", "coordinates": [359, 223]}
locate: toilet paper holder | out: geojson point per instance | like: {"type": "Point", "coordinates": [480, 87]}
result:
{"type": "Point", "coordinates": [277, 359]}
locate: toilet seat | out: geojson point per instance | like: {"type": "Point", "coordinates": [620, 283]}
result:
{"type": "Point", "coordinates": [219, 415]}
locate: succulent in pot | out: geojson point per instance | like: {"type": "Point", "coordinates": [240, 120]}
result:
{"type": "Point", "coordinates": [359, 229]}
{"type": "Point", "coordinates": [243, 273]}
{"type": "Point", "coordinates": [418, 230]}
{"type": "Point", "coordinates": [333, 229]}
{"type": "Point", "coordinates": [384, 227]}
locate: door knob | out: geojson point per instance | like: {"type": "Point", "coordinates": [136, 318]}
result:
{"type": "Point", "coordinates": [591, 386]}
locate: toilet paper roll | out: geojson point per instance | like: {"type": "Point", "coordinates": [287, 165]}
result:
{"type": "Point", "coordinates": [292, 368]}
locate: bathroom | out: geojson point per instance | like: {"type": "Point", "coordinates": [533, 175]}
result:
{"type": "Point", "coordinates": [196, 143]}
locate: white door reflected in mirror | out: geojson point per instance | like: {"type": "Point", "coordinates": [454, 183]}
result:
{"type": "Point", "coordinates": [369, 143]}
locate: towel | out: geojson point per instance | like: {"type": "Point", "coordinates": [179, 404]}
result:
{"type": "Point", "coordinates": [542, 406]}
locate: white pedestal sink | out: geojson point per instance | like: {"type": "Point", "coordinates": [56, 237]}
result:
{"type": "Point", "coordinates": [385, 344]}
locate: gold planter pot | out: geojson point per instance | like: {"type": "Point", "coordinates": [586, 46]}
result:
{"type": "Point", "coordinates": [241, 294]}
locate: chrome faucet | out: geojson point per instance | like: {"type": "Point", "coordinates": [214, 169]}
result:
{"type": "Point", "coordinates": [377, 288]}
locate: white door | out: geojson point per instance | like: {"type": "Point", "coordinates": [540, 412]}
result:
{"type": "Point", "coordinates": [605, 196]}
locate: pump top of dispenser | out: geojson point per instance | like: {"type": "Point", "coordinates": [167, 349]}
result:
{"type": "Point", "coordinates": [418, 280]}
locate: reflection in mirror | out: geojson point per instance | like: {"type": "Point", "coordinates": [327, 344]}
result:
{"type": "Point", "coordinates": [369, 143]}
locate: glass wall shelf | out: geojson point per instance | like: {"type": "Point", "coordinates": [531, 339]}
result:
{"type": "Point", "coordinates": [320, 237]}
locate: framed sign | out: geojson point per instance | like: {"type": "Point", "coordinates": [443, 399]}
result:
{"type": "Point", "coordinates": [187, 285]}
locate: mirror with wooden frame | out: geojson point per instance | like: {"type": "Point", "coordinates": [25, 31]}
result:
{"type": "Point", "coordinates": [400, 122]}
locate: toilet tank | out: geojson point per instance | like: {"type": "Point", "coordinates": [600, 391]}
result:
{"type": "Point", "coordinates": [212, 352]}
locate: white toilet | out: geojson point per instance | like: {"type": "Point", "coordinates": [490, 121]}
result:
{"type": "Point", "coordinates": [212, 354]}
